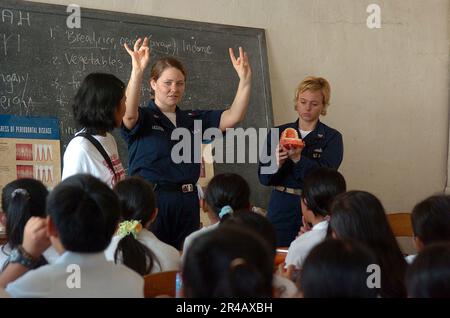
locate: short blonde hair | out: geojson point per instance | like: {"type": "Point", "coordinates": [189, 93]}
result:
{"type": "Point", "coordinates": [313, 83]}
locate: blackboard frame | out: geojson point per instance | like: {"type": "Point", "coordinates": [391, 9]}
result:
{"type": "Point", "coordinates": [258, 59]}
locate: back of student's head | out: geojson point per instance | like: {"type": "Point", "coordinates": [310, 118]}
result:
{"type": "Point", "coordinates": [96, 101]}
{"type": "Point", "coordinates": [227, 189]}
{"type": "Point", "coordinates": [429, 274]}
{"type": "Point", "coordinates": [360, 216]}
{"type": "Point", "coordinates": [320, 188]}
{"type": "Point", "coordinates": [228, 262]}
{"type": "Point", "coordinates": [255, 222]}
{"type": "Point", "coordinates": [22, 199]}
{"type": "Point", "coordinates": [85, 212]}
{"type": "Point", "coordinates": [337, 269]}
{"type": "Point", "coordinates": [137, 203]}
{"type": "Point", "coordinates": [431, 219]}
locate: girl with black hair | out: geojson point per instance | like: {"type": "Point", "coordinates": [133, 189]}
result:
{"type": "Point", "coordinates": [320, 188]}
{"type": "Point", "coordinates": [21, 200]}
{"type": "Point", "coordinates": [360, 216]}
{"type": "Point", "coordinates": [429, 274]}
{"type": "Point", "coordinates": [337, 269]}
{"type": "Point", "coordinates": [228, 262]}
{"type": "Point", "coordinates": [98, 108]}
{"type": "Point", "coordinates": [224, 194]}
{"type": "Point", "coordinates": [134, 245]}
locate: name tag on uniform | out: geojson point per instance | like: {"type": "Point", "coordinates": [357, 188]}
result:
{"type": "Point", "coordinates": [156, 127]}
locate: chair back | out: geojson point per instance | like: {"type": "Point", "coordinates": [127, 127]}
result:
{"type": "Point", "coordinates": [400, 223]}
{"type": "Point", "coordinates": [162, 283]}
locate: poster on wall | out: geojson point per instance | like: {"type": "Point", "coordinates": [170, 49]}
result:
{"type": "Point", "coordinates": [30, 148]}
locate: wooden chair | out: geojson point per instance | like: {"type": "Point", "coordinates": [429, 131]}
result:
{"type": "Point", "coordinates": [162, 283]}
{"type": "Point", "coordinates": [400, 223]}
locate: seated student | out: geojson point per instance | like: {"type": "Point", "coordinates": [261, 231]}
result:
{"type": "Point", "coordinates": [83, 214]}
{"type": "Point", "coordinates": [22, 199]}
{"type": "Point", "coordinates": [429, 274]}
{"type": "Point", "coordinates": [319, 190]}
{"type": "Point", "coordinates": [337, 269]}
{"type": "Point", "coordinates": [260, 225]}
{"type": "Point", "coordinates": [360, 216]}
{"type": "Point", "coordinates": [225, 193]}
{"type": "Point", "coordinates": [134, 245]}
{"type": "Point", "coordinates": [430, 222]}
{"type": "Point", "coordinates": [228, 262]}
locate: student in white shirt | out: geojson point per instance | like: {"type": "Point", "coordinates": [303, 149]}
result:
{"type": "Point", "coordinates": [430, 221]}
{"type": "Point", "coordinates": [98, 108]}
{"type": "Point", "coordinates": [225, 193]}
{"type": "Point", "coordinates": [21, 200]}
{"type": "Point", "coordinates": [134, 245]}
{"type": "Point", "coordinates": [319, 190]}
{"type": "Point", "coordinates": [83, 214]}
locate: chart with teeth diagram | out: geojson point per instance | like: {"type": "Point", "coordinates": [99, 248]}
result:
{"type": "Point", "coordinates": [29, 148]}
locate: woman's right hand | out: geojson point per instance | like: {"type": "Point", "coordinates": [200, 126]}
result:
{"type": "Point", "coordinates": [35, 238]}
{"type": "Point", "coordinates": [281, 155]}
{"type": "Point", "coordinates": [140, 55]}
{"type": "Point", "coordinates": [304, 228]}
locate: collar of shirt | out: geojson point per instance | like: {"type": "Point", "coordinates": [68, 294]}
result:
{"type": "Point", "coordinates": [182, 118]}
{"type": "Point", "coordinates": [317, 133]}
{"type": "Point", "coordinates": [81, 258]}
{"type": "Point", "coordinates": [320, 226]}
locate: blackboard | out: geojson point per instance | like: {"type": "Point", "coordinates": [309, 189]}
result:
{"type": "Point", "coordinates": [43, 61]}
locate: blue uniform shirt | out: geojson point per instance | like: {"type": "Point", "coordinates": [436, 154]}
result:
{"type": "Point", "coordinates": [323, 148]}
{"type": "Point", "coordinates": [150, 145]}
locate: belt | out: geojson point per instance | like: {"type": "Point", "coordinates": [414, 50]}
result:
{"type": "Point", "coordinates": [185, 188]}
{"type": "Point", "coordinates": [289, 190]}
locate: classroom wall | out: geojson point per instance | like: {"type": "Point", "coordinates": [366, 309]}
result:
{"type": "Point", "coordinates": [390, 86]}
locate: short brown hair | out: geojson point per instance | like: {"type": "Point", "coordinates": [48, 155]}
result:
{"type": "Point", "coordinates": [162, 64]}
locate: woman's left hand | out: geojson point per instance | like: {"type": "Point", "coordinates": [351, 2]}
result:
{"type": "Point", "coordinates": [241, 64]}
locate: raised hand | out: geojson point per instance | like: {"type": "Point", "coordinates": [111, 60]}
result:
{"type": "Point", "coordinates": [241, 64]}
{"type": "Point", "coordinates": [140, 55]}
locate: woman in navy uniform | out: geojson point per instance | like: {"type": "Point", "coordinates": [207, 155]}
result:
{"type": "Point", "coordinates": [323, 148]}
{"type": "Point", "coordinates": [147, 131]}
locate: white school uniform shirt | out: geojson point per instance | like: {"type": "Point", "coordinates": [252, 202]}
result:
{"type": "Point", "coordinates": [50, 255]}
{"type": "Point", "coordinates": [168, 256]}
{"type": "Point", "coordinates": [302, 245]}
{"type": "Point", "coordinates": [188, 240]}
{"type": "Point", "coordinates": [81, 156]}
{"type": "Point", "coordinates": [96, 276]}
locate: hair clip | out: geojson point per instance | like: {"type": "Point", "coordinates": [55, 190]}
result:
{"type": "Point", "coordinates": [225, 210]}
{"type": "Point", "coordinates": [21, 192]}
{"type": "Point", "coordinates": [130, 227]}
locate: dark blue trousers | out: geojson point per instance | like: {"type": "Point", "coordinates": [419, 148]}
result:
{"type": "Point", "coordinates": [178, 216]}
{"type": "Point", "coordinates": [285, 214]}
